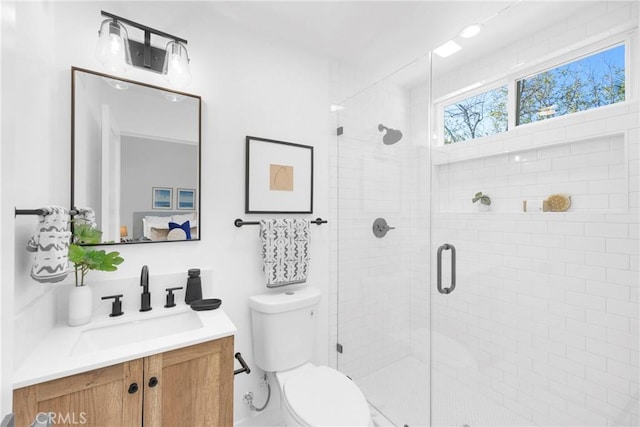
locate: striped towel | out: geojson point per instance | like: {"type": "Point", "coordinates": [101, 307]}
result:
{"type": "Point", "coordinates": [51, 245]}
{"type": "Point", "coordinates": [285, 251]}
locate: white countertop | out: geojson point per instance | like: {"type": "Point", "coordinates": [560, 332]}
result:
{"type": "Point", "coordinates": [52, 358]}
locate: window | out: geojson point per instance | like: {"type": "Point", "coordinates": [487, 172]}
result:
{"type": "Point", "coordinates": [587, 83]}
{"type": "Point", "coordinates": [477, 116]}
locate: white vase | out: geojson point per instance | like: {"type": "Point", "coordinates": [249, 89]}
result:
{"type": "Point", "coordinates": [483, 208]}
{"type": "Point", "coordinates": [80, 305]}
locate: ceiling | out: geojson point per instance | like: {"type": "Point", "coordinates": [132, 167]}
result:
{"type": "Point", "coordinates": [383, 36]}
{"type": "Point", "coordinates": [377, 37]}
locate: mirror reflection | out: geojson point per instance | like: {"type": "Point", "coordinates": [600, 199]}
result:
{"type": "Point", "coordinates": [135, 158]}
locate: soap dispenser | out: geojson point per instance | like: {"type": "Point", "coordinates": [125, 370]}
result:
{"type": "Point", "coordinates": [194, 286]}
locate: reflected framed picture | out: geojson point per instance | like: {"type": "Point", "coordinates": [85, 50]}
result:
{"type": "Point", "coordinates": [186, 198]}
{"type": "Point", "coordinates": [279, 176]}
{"type": "Point", "coordinates": [162, 198]}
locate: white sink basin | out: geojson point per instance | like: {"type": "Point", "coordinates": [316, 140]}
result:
{"type": "Point", "coordinates": [106, 337]}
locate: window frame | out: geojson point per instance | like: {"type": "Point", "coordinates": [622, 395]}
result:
{"type": "Point", "coordinates": [555, 59]}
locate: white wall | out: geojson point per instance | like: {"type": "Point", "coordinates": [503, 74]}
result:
{"type": "Point", "coordinates": [6, 219]}
{"type": "Point", "coordinates": [248, 87]}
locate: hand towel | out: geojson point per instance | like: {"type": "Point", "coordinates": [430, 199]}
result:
{"type": "Point", "coordinates": [285, 251]}
{"type": "Point", "coordinates": [51, 245]}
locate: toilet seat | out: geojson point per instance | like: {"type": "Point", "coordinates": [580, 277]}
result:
{"type": "Point", "coordinates": [322, 396]}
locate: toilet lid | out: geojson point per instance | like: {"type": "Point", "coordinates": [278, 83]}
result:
{"type": "Point", "coordinates": [324, 397]}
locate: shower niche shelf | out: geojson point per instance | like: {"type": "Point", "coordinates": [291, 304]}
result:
{"type": "Point", "coordinates": [593, 171]}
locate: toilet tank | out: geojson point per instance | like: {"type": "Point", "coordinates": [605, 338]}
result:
{"type": "Point", "coordinates": [284, 328]}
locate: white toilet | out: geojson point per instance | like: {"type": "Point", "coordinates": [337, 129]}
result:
{"type": "Point", "coordinates": [284, 334]}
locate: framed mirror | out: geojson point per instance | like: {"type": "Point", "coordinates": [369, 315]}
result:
{"type": "Point", "coordinates": [135, 158]}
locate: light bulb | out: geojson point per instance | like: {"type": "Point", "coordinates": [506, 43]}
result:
{"type": "Point", "coordinates": [176, 65]}
{"type": "Point", "coordinates": [113, 47]}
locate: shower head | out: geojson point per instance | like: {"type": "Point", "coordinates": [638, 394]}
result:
{"type": "Point", "coordinates": [391, 137]}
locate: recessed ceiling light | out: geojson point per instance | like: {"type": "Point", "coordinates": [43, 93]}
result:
{"type": "Point", "coordinates": [449, 48]}
{"type": "Point", "coordinates": [470, 31]}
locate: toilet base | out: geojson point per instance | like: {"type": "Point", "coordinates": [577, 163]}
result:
{"type": "Point", "coordinates": [289, 417]}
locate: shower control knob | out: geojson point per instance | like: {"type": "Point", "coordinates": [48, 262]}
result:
{"type": "Point", "coordinates": [380, 227]}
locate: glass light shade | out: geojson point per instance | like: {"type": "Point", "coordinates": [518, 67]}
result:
{"type": "Point", "coordinates": [176, 65]}
{"type": "Point", "coordinates": [113, 46]}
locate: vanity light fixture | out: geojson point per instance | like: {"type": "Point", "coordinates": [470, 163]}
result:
{"type": "Point", "coordinates": [118, 53]}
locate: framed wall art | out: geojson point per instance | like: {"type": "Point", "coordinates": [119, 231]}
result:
{"type": "Point", "coordinates": [186, 198]}
{"type": "Point", "coordinates": [279, 177]}
{"type": "Point", "coordinates": [162, 198]}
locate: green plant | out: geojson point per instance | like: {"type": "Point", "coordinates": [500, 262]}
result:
{"type": "Point", "coordinates": [85, 259]}
{"type": "Point", "coordinates": [484, 198]}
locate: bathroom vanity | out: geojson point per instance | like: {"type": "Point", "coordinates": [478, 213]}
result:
{"type": "Point", "coordinates": [173, 378]}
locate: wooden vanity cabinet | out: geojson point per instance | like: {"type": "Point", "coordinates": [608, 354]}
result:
{"type": "Point", "coordinates": [191, 386]}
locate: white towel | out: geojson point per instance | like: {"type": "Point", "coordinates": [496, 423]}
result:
{"type": "Point", "coordinates": [51, 245]}
{"type": "Point", "coordinates": [285, 251]}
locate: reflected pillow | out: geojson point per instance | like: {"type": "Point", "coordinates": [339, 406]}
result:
{"type": "Point", "coordinates": [176, 234]}
{"type": "Point", "coordinates": [158, 234]}
{"type": "Point", "coordinates": [158, 222]}
{"type": "Point", "coordinates": [185, 226]}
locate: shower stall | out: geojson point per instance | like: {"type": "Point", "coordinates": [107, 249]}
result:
{"type": "Point", "coordinates": [445, 315]}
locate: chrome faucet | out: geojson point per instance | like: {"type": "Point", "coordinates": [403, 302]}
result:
{"type": "Point", "coordinates": [145, 298]}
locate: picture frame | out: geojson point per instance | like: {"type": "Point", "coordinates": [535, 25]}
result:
{"type": "Point", "coordinates": [279, 176]}
{"type": "Point", "coordinates": [186, 199]}
{"type": "Point", "coordinates": [162, 198]}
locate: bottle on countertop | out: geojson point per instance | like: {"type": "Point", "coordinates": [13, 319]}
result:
{"type": "Point", "coordinates": [194, 286]}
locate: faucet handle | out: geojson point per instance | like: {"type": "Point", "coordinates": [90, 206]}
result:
{"type": "Point", "coordinates": [116, 307]}
{"type": "Point", "coordinates": [171, 301]}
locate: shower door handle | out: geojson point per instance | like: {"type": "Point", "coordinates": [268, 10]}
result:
{"type": "Point", "coordinates": [452, 286]}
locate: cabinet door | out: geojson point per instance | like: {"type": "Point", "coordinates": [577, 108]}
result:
{"type": "Point", "coordinates": [194, 386]}
{"type": "Point", "coordinates": [98, 398]}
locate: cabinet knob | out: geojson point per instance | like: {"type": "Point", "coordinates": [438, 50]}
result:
{"type": "Point", "coordinates": [133, 388]}
{"type": "Point", "coordinates": [153, 381]}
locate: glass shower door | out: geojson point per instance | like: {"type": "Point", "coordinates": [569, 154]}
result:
{"type": "Point", "coordinates": [541, 328]}
{"type": "Point", "coordinates": [382, 249]}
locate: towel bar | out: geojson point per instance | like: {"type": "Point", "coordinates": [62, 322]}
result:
{"type": "Point", "coordinates": [37, 212]}
{"type": "Point", "coordinates": [239, 223]}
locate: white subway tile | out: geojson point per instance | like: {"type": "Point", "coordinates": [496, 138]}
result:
{"type": "Point", "coordinates": [608, 319]}
{"type": "Point", "coordinates": [585, 358]}
{"type": "Point", "coordinates": [620, 231]}
{"type": "Point", "coordinates": [586, 272]}
{"type": "Point", "coordinates": [625, 309]}
{"type": "Point", "coordinates": [608, 350]}
{"type": "Point", "coordinates": [592, 302]}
